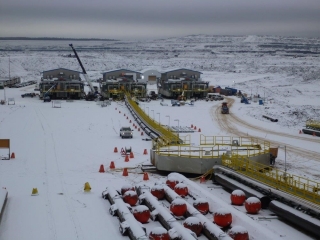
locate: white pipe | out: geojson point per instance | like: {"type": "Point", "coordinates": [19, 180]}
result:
{"type": "Point", "coordinates": [172, 222]}
{"type": "Point", "coordinates": [123, 210]}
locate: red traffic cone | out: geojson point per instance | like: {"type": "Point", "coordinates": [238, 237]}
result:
{"type": "Point", "coordinates": [126, 158]}
{"type": "Point", "coordinates": [125, 172]}
{"type": "Point", "coordinates": [101, 170]}
{"type": "Point", "coordinates": [199, 130]}
{"type": "Point", "coordinates": [115, 150]}
{"type": "Point", "coordinates": [13, 155]}
{"type": "Point", "coordinates": [112, 166]}
{"type": "Point", "coordinates": [145, 152]}
{"type": "Point", "coordinates": [145, 176]}
{"type": "Point", "coordinates": [300, 131]}
{"type": "Point", "coordinates": [131, 155]}
{"type": "Point", "coordinates": [202, 179]}
{"type": "Point", "coordinates": [141, 133]}
{"type": "Point", "coordinates": [195, 128]}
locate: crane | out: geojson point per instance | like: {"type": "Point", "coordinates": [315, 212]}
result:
{"type": "Point", "coordinates": [93, 93]}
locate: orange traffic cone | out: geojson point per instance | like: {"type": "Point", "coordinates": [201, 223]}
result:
{"type": "Point", "coordinates": [13, 155]}
{"type": "Point", "coordinates": [300, 131]}
{"type": "Point", "coordinates": [130, 121]}
{"type": "Point", "coordinates": [101, 170]}
{"type": "Point", "coordinates": [145, 176]}
{"type": "Point", "coordinates": [135, 126]}
{"type": "Point", "coordinates": [115, 150]}
{"type": "Point", "coordinates": [125, 172]}
{"type": "Point", "coordinates": [138, 129]}
{"type": "Point", "coordinates": [131, 155]}
{"type": "Point", "coordinates": [191, 125]}
{"type": "Point", "coordinates": [195, 128]}
{"type": "Point", "coordinates": [141, 133]}
{"type": "Point", "coordinates": [202, 179]}
{"type": "Point", "coordinates": [199, 130]}
{"type": "Point", "coordinates": [124, 114]}
{"type": "Point", "coordinates": [126, 158]}
{"type": "Point", "coordinates": [112, 166]}
{"type": "Point", "coordinates": [145, 152]}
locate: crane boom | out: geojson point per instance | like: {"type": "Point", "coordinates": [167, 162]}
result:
{"type": "Point", "coordinates": [83, 70]}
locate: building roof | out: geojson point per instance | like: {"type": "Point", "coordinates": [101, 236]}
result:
{"type": "Point", "coordinates": [181, 69]}
{"type": "Point", "coordinates": [61, 69]}
{"type": "Point", "coordinates": [122, 69]}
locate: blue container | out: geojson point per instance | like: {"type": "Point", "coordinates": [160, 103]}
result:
{"type": "Point", "coordinates": [260, 102]}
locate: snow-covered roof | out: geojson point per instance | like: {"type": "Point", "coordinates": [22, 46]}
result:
{"type": "Point", "coordinates": [121, 69]}
{"type": "Point", "coordinates": [61, 69]}
{"type": "Point", "coordinates": [181, 69]}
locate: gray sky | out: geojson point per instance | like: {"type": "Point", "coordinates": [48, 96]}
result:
{"type": "Point", "coordinates": [148, 19]}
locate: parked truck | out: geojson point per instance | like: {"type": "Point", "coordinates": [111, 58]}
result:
{"type": "Point", "coordinates": [224, 108]}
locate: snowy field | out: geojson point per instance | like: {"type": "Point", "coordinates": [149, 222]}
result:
{"type": "Point", "coordinates": [58, 150]}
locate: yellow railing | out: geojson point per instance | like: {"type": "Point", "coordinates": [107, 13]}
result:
{"type": "Point", "coordinates": [167, 137]}
{"type": "Point", "coordinates": [292, 184]}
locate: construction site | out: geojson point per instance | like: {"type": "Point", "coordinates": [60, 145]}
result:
{"type": "Point", "coordinates": [180, 137]}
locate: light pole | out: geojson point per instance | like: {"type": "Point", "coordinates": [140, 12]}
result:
{"type": "Point", "coordinates": [285, 159]}
{"type": "Point", "coordinates": [152, 114]}
{"type": "Point", "coordinates": [159, 118]}
{"type": "Point", "coordinates": [169, 121]}
{"type": "Point", "coordinates": [178, 126]}
{"type": "Point", "coordinates": [148, 111]}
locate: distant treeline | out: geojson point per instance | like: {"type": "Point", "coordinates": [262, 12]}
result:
{"type": "Point", "coordinates": [57, 39]}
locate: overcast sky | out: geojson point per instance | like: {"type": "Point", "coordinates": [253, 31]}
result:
{"type": "Point", "coordinates": [148, 19]}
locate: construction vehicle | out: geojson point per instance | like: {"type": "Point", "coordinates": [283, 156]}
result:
{"type": "Point", "coordinates": [224, 108]}
{"type": "Point", "coordinates": [93, 94]}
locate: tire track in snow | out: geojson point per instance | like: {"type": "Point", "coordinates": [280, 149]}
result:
{"type": "Point", "coordinates": [51, 220]}
{"type": "Point", "coordinates": [228, 123]}
{"type": "Point", "coordinates": [71, 211]}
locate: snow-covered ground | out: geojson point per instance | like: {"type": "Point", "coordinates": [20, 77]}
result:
{"type": "Point", "coordinates": [59, 149]}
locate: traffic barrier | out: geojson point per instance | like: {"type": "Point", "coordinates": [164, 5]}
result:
{"type": "Point", "coordinates": [34, 192]}
{"type": "Point", "coordinates": [202, 179]}
{"type": "Point", "coordinates": [101, 170]}
{"type": "Point", "coordinates": [145, 176]}
{"type": "Point", "coordinates": [112, 166]}
{"type": "Point", "coordinates": [125, 172]}
{"type": "Point", "coordinates": [87, 187]}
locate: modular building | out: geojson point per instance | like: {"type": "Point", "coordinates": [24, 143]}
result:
{"type": "Point", "coordinates": [61, 83]}
{"type": "Point", "coordinates": [9, 82]}
{"type": "Point", "coordinates": [117, 82]}
{"type": "Point", "coordinates": [186, 82]}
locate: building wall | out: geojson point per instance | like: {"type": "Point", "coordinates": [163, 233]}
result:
{"type": "Point", "coordinates": [179, 73]}
{"type": "Point", "coordinates": [61, 72]}
{"type": "Point", "coordinates": [120, 73]}
{"type": "Point", "coordinates": [146, 75]}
